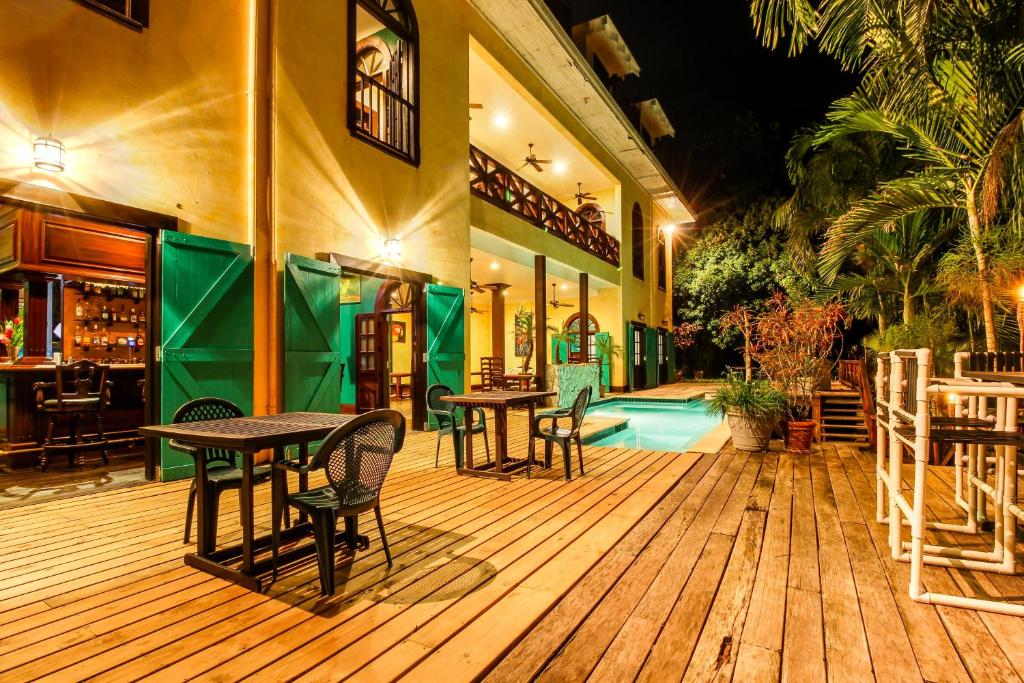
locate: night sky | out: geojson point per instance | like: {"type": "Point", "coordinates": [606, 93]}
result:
{"type": "Point", "coordinates": [734, 104]}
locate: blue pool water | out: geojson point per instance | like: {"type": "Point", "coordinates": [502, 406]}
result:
{"type": "Point", "coordinates": [660, 426]}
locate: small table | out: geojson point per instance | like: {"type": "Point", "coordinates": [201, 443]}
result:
{"type": "Point", "coordinates": [994, 376]}
{"type": "Point", "coordinates": [398, 378]}
{"type": "Point", "coordinates": [523, 380]}
{"type": "Point", "coordinates": [500, 402]}
{"type": "Point", "coordinates": [248, 436]}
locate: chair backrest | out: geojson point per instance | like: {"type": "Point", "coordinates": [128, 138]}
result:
{"type": "Point", "coordinates": [357, 456]}
{"type": "Point", "coordinates": [210, 408]}
{"type": "Point", "coordinates": [434, 402]}
{"type": "Point", "coordinates": [579, 408]}
{"type": "Point", "coordinates": [492, 370]}
{"type": "Point", "coordinates": [81, 379]}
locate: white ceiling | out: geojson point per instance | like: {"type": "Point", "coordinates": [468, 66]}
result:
{"type": "Point", "coordinates": [526, 122]}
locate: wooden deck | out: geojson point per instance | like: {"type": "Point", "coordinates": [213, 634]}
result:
{"type": "Point", "coordinates": [653, 566]}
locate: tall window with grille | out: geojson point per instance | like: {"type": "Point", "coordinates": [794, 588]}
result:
{"type": "Point", "coordinates": [384, 76]}
{"type": "Point", "coordinates": [638, 241]}
{"type": "Point", "coordinates": [662, 262]}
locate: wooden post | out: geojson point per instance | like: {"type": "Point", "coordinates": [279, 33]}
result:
{"type": "Point", "coordinates": [540, 317]}
{"type": "Point", "coordinates": [37, 319]}
{"type": "Point", "coordinates": [498, 319]}
{"type": "Point", "coordinates": [584, 318]}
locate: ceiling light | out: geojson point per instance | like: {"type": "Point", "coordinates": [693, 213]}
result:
{"type": "Point", "coordinates": [564, 286]}
{"type": "Point", "coordinates": [501, 121]}
{"type": "Point", "coordinates": [48, 154]}
{"type": "Point", "coordinates": [494, 265]}
{"type": "Point", "coordinates": [559, 167]}
{"type": "Point", "coordinates": [393, 248]}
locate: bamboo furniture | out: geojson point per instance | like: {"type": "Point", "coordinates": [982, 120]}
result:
{"type": "Point", "coordinates": [499, 402]}
{"type": "Point", "coordinates": [248, 436]}
{"type": "Point", "coordinates": [356, 458]}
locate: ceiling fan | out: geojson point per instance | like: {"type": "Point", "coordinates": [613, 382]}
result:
{"type": "Point", "coordinates": [532, 160]}
{"type": "Point", "coordinates": [581, 195]}
{"type": "Point", "coordinates": [472, 306]}
{"type": "Point", "coordinates": [591, 202]}
{"type": "Point", "coordinates": [555, 303]}
{"type": "Point", "coordinates": [475, 287]}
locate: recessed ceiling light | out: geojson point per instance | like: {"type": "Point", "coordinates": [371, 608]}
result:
{"type": "Point", "coordinates": [494, 265]}
{"type": "Point", "coordinates": [559, 167]}
{"type": "Point", "coordinates": [564, 286]}
{"type": "Point", "coordinates": [501, 120]}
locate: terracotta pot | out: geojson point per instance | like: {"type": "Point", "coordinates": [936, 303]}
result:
{"type": "Point", "coordinates": [800, 435]}
{"type": "Point", "coordinates": [750, 435]}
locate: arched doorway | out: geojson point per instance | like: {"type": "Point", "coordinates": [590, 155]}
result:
{"type": "Point", "coordinates": [572, 326]}
{"type": "Point", "coordinates": [388, 348]}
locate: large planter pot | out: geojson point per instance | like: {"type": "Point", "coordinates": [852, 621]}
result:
{"type": "Point", "coordinates": [750, 435]}
{"type": "Point", "coordinates": [799, 435]}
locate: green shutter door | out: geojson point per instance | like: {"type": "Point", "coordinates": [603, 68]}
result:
{"type": "Point", "coordinates": [652, 358]}
{"type": "Point", "coordinates": [312, 348]}
{"type": "Point", "coordinates": [606, 363]}
{"type": "Point", "coordinates": [206, 304]}
{"type": "Point", "coordinates": [446, 337]}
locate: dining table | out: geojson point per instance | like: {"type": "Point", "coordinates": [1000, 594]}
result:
{"type": "Point", "coordinates": [398, 381]}
{"type": "Point", "coordinates": [248, 436]}
{"type": "Point", "coordinates": [500, 402]}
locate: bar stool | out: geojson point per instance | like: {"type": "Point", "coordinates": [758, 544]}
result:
{"type": "Point", "coordinates": [79, 389]}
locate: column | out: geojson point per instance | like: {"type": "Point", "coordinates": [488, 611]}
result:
{"type": "Point", "coordinates": [540, 317]}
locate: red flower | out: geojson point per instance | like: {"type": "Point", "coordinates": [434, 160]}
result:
{"type": "Point", "coordinates": [17, 320]}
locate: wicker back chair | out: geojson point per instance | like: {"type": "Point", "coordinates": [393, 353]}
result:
{"type": "Point", "coordinates": [356, 458]}
{"type": "Point", "coordinates": [564, 437]}
{"type": "Point", "coordinates": [221, 466]}
{"type": "Point", "coordinates": [448, 422]}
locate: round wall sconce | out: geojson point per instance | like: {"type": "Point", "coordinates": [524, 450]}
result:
{"type": "Point", "coordinates": [48, 154]}
{"type": "Point", "coordinates": [640, 317]}
{"type": "Point", "coordinates": [393, 248]}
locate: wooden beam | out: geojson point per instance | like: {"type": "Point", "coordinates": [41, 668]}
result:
{"type": "Point", "coordinates": [48, 200]}
{"type": "Point", "coordinates": [498, 318]}
{"type": "Point", "coordinates": [540, 317]}
{"type": "Point", "coordinates": [584, 317]}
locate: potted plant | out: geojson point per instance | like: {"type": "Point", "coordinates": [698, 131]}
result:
{"type": "Point", "coordinates": [605, 351]}
{"type": "Point", "coordinates": [13, 335]}
{"type": "Point", "coordinates": [793, 341]}
{"type": "Point", "coordinates": [752, 408]}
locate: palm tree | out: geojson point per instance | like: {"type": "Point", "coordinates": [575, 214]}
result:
{"type": "Point", "coordinates": [943, 79]}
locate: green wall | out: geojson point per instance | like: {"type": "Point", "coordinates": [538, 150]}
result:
{"type": "Point", "coordinates": [368, 287]}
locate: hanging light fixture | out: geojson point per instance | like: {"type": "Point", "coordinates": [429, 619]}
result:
{"type": "Point", "coordinates": [393, 248]}
{"type": "Point", "coordinates": [48, 154]}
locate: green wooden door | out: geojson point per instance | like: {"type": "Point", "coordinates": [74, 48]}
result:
{"type": "Point", "coordinates": [206, 344]}
{"type": "Point", "coordinates": [446, 338]}
{"type": "Point", "coordinates": [312, 347]}
{"type": "Point", "coordinates": [652, 357]}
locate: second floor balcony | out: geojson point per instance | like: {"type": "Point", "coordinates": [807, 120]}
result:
{"type": "Point", "coordinates": [494, 182]}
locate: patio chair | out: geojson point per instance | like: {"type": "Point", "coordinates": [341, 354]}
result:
{"type": "Point", "coordinates": [222, 470]}
{"type": "Point", "coordinates": [448, 421]}
{"type": "Point", "coordinates": [356, 458]}
{"type": "Point", "coordinates": [552, 434]}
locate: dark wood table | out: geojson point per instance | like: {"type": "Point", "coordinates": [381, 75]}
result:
{"type": "Point", "coordinates": [499, 402]}
{"type": "Point", "coordinates": [993, 376]}
{"type": "Point", "coordinates": [398, 379]}
{"type": "Point", "coordinates": [248, 436]}
{"type": "Point", "coordinates": [524, 381]}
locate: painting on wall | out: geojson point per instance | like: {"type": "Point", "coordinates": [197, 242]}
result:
{"type": "Point", "coordinates": [348, 289]}
{"type": "Point", "coordinates": [524, 332]}
{"type": "Point", "coordinates": [398, 332]}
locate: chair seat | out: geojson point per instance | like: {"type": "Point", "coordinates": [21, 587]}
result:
{"type": "Point", "coordinates": [87, 403]}
{"type": "Point", "coordinates": [354, 495]}
{"type": "Point", "coordinates": [555, 433]}
{"type": "Point", "coordinates": [228, 475]}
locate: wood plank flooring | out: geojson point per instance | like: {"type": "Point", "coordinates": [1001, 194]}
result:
{"type": "Point", "coordinates": [653, 566]}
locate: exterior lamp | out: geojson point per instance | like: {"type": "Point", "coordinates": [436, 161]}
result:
{"type": "Point", "coordinates": [48, 154]}
{"type": "Point", "coordinates": [640, 316]}
{"type": "Point", "coordinates": [393, 248]}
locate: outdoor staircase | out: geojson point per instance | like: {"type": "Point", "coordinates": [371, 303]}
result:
{"type": "Point", "coordinates": [842, 416]}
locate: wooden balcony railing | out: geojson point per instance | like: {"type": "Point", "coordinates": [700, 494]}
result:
{"type": "Point", "coordinates": [497, 184]}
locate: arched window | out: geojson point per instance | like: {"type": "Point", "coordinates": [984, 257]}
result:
{"type": "Point", "coordinates": [572, 326]}
{"type": "Point", "coordinates": [638, 241]}
{"type": "Point", "coordinates": [384, 76]}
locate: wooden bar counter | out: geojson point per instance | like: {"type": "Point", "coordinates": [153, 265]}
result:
{"type": "Point", "coordinates": [23, 429]}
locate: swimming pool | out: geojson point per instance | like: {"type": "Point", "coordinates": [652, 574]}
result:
{"type": "Point", "coordinates": [655, 425]}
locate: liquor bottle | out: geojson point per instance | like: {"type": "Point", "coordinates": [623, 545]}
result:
{"type": "Point", "coordinates": [135, 317]}
{"type": "Point", "coordinates": [105, 314]}
{"type": "Point", "coordinates": [95, 339]}
{"type": "Point", "coordinates": [87, 287]}
{"type": "Point", "coordinates": [78, 336]}
{"type": "Point", "coordinates": [140, 341]}
{"type": "Point", "coordinates": [123, 315]}
{"type": "Point", "coordinates": [79, 310]}
{"type": "Point", "coordinates": [104, 341]}
{"type": "Point", "coordinates": [142, 316]}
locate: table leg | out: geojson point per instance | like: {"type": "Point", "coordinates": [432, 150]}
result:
{"type": "Point", "coordinates": [468, 417]}
{"type": "Point", "coordinates": [531, 411]}
{"type": "Point", "coordinates": [303, 476]}
{"type": "Point", "coordinates": [500, 437]}
{"type": "Point", "coordinates": [204, 542]}
{"type": "Point", "coordinates": [248, 524]}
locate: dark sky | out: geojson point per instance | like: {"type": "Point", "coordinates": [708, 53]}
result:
{"type": "Point", "coordinates": [734, 104]}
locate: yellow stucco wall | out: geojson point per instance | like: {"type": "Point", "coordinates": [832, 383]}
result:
{"type": "Point", "coordinates": [155, 119]}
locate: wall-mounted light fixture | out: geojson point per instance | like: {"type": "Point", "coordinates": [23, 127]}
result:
{"type": "Point", "coordinates": [48, 154]}
{"type": "Point", "coordinates": [640, 316]}
{"type": "Point", "coordinates": [393, 248]}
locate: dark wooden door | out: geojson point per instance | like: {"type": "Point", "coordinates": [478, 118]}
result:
{"type": "Point", "coordinates": [369, 364]}
{"type": "Point", "coordinates": [638, 344]}
{"type": "Point", "coordinates": [662, 356]}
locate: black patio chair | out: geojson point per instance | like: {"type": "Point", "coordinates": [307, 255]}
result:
{"type": "Point", "coordinates": [448, 420]}
{"type": "Point", "coordinates": [552, 434]}
{"type": "Point", "coordinates": [222, 470]}
{"type": "Point", "coordinates": [356, 458]}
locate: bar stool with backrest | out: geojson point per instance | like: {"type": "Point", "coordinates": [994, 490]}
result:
{"type": "Point", "coordinates": [552, 434]}
{"type": "Point", "coordinates": [448, 421]}
{"type": "Point", "coordinates": [356, 458]}
{"type": "Point", "coordinates": [80, 389]}
{"type": "Point", "coordinates": [222, 470]}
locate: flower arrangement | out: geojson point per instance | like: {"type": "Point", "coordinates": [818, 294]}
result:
{"type": "Point", "coordinates": [14, 334]}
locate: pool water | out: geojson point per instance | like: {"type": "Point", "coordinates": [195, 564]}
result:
{"type": "Point", "coordinates": [656, 426]}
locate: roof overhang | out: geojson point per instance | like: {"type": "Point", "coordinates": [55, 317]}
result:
{"type": "Point", "coordinates": [535, 35]}
{"type": "Point", "coordinates": [600, 37]}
